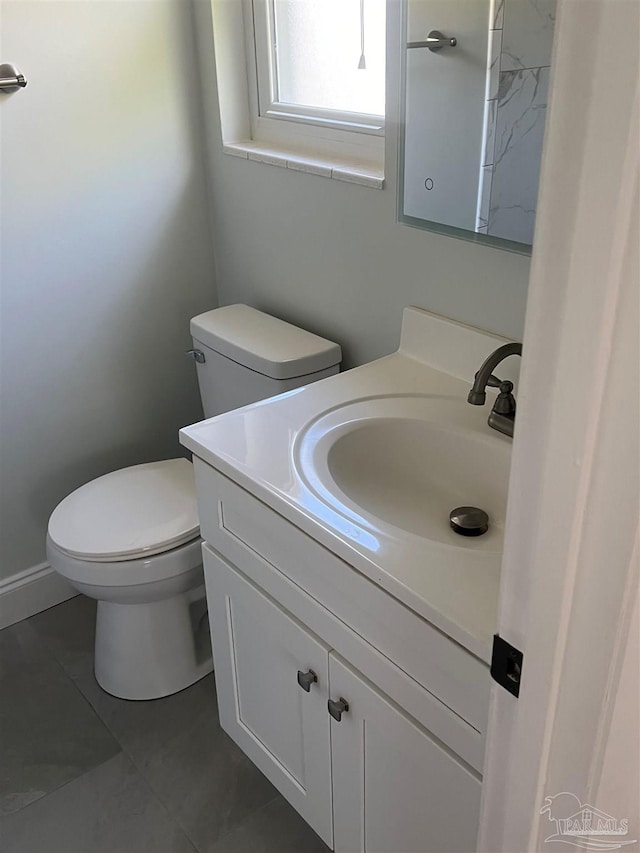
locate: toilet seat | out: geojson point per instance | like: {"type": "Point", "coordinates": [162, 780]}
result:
{"type": "Point", "coordinates": [128, 514]}
{"type": "Point", "coordinates": [158, 569]}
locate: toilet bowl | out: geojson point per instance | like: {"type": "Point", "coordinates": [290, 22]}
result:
{"type": "Point", "coordinates": [130, 539]}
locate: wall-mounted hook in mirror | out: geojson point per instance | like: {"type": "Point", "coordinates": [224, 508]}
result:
{"type": "Point", "coordinates": [435, 41]}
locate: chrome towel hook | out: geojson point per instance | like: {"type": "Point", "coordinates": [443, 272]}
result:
{"type": "Point", "coordinates": [10, 78]}
{"type": "Point", "coordinates": [435, 42]}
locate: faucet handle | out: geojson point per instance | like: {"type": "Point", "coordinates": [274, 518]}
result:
{"type": "Point", "coordinates": [505, 403]}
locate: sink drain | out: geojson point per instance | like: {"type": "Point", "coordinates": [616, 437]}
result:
{"type": "Point", "coordinates": [469, 520]}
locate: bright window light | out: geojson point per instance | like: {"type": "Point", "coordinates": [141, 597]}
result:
{"type": "Point", "coordinates": [329, 54]}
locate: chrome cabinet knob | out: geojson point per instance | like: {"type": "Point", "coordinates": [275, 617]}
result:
{"type": "Point", "coordinates": [337, 709]}
{"type": "Point", "coordinates": [306, 679]}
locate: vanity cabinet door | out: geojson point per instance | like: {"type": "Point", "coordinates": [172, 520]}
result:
{"type": "Point", "coordinates": [259, 652]}
{"type": "Point", "coordinates": [395, 788]}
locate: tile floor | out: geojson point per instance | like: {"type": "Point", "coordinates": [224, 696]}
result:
{"type": "Point", "coordinates": [82, 772]}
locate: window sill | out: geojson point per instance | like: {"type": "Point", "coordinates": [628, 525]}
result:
{"type": "Point", "coordinates": [364, 175]}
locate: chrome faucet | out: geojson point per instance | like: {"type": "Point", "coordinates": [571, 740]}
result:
{"type": "Point", "coordinates": [503, 413]}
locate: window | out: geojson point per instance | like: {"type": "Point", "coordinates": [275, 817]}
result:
{"type": "Point", "coordinates": [317, 77]}
{"type": "Point", "coordinates": [322, 61]}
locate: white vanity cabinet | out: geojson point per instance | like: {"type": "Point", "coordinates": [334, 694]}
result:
{"type": "Point", "coordinates": [400, 770]}
{"type": "Point", "coordinates": [394, 787]}
{"type": "Point", "coordinates": [284, 729]}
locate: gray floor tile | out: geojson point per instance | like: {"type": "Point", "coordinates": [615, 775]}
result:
{"type": "Point", "coordinates": [108, 810]}
{"type": "Point", "coordinates": [69, 631]}
{"type": "Point", "coordinates": [205, 781]}
{"type": "Point", "coordinates": [177, 744]}
{"type": "Point", "coordinates": [277, 828]}
{"type": "Point", "coordinates": [49, 733]}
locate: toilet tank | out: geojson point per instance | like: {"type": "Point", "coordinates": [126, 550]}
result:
{"type": "Point", "coordinates": [243, 356]}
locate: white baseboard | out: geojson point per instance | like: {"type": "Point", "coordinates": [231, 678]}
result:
{"type": "Point", "coordinates": [30, 591]}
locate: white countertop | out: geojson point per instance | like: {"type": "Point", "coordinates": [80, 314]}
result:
{"type": "Point", "coordinates": [454, 586]}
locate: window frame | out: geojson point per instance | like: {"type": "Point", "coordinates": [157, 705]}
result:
{"type": "Point", "coordinates": [355, 136]}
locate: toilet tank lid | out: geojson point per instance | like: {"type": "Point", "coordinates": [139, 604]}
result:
{"type": "Point", "coordinates": [263, 343]}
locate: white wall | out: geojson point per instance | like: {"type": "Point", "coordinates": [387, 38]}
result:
{"type": "Point", "coordinates": [330, 256]}
{"type": "Point", "coordinates": [106, 249]}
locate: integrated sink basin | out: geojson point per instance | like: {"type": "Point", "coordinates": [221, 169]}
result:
{"type": "Point", "coordinates": [400, 464]}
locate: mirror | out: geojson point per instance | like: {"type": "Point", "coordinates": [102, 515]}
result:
{"type": "Point", "coordinates": [475, 83]}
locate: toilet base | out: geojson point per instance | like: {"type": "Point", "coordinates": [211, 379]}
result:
{"type": "Point", "coordinates": [154, 649]}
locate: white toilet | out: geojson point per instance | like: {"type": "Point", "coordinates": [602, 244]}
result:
{"type": "Point", "coordinates": [130, 539]}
